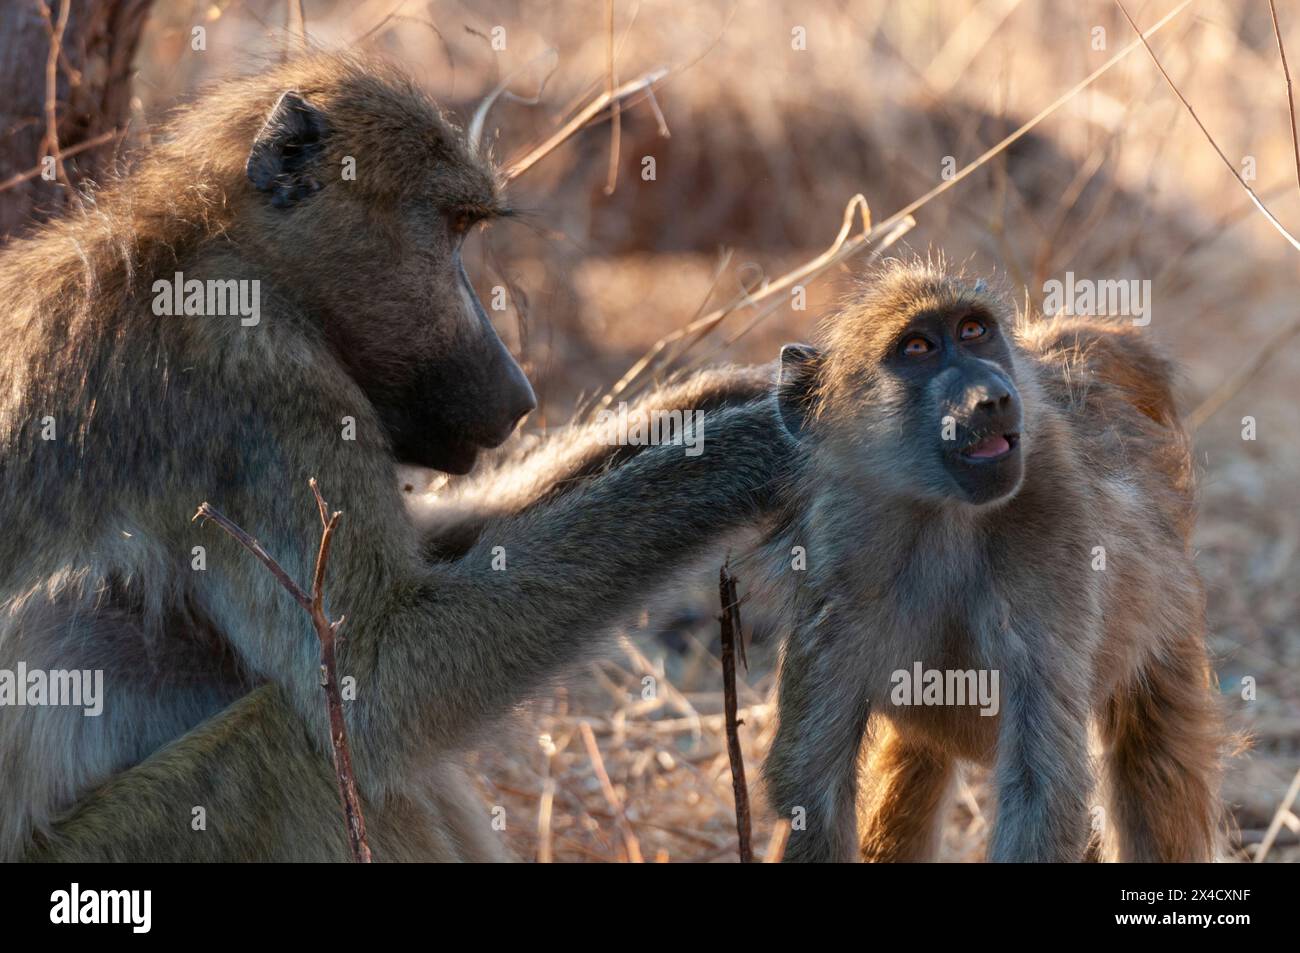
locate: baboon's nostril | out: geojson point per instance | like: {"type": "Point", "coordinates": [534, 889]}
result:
{"type": "Point", "coordinates": [994, 399]}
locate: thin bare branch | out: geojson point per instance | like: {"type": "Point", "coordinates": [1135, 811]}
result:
{"type": "Point", "coordinates": [1042, 114]}
{"type": "Point", "coordinates": [733, 642]}
{"type": "Point", "coordinates": [611, 796]}
{"type": "Point", "coordinates": [50, 142]}
{"type": "Point", "coordinates": [1282, 814]}
{"type": "Point", "coordinates": [1243, 375]}
{"type": "Point", "coordinates": [841, 248]}
{"type": "Point", "coordinates": [474, 134]}
{"type": "Point", "coordinates": [207, 511]}
{"type": "Point", "coordinates": [1142, 37]}
{"type": "Point", "coordinates": [1290, 93]}
{"type": "Point", "coordinates": [585, 115]}
{"type": "Point", "coordinates": [616, 112]}
{"type": "Point", "coordinates": [297, 28]}
{"type": "Point", "coordinates": [776, 845]}
{"type": "Point", "coordinates": [18, 178]}
{"type": "Point", "coordinates": [327, 634]}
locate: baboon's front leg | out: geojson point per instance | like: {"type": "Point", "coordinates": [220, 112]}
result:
{"type": "Point", "coordinates": [1042, 775]}
{"type": "Point", "coordinates": [811, 771]}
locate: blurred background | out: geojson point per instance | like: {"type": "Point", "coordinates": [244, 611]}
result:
{"type": "Point", "coordinates": [777, 113]}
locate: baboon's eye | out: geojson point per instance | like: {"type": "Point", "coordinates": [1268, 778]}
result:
{"type": "Point", "coordinates": [970, 330]}
{"type": "Point", "coordinates": [916, 346]}
{"type": "Point", "coordinates": [462, 220]}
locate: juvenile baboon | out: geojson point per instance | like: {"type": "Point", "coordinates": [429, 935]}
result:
{"type": "Point", "coordinates": [368, 349]}
{"type": "Point", "coordinates": [980, 496]}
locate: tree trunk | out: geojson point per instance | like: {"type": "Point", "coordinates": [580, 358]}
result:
{"type": "Point", "coordinates": [92, 99]}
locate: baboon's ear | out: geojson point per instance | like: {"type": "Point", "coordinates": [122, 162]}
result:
{"type": "Point", "coordinates": [796, 384]}
{"type": "Point", "coordinates": [284, 154]}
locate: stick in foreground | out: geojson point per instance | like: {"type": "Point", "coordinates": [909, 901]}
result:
{"type": "Point", "coordinates": [730, 630]}
{"type": "Point", "coordinates": [327, 632]}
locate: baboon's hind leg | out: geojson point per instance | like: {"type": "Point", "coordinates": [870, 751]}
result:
{"type": "Point", "coordinates": [1163, 735]}
{"type": "Point", "coordinates": [904, 789]}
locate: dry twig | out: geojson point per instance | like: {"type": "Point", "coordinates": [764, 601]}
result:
{"type": "Point", "coordinates": [296, 29]}
{"type": "Point", "coordinates": [50, 143]}
{"type": "Point", "coordinates": [327, 633]}
{"type": "Point", "coordinates": [642, 84]}
{"type": "Point", "coordinates": [1272, 219]}
{"type": "Point", "coordinates": [611, 796]}
{"type": "Point", "coordinates": [1283, 815]}
{"type": "Point", "coordinates": [616, 112]}
{"type": "Point", "coordinates": [729, 624]}
{"type": "Point", "coordinates": [776, 845]}
{"type": "Point", "coordinates": [1290, 94]}
{"type": "Point", "coordinates": [1212, 404]}
{"type": "Point", "coordinates": [843, 247]}
{"type": "Point", "coordinates": [18, 178]}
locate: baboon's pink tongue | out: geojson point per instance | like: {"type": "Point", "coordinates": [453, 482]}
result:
{"type": "Point", "coordinates": [989, 447]}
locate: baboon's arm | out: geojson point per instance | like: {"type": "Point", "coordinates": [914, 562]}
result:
{"type": "Point", "coordinates": [562, 459]}
{"type": "Point", "coordinates": [1042, 770]}
{"type": "Point", "coordinates": [811, 772]}
{"type": "Point", "coordinates": [440, 649]}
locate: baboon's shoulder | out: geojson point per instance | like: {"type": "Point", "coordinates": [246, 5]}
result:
{"type": "Point", "coordinates": [1116, 387]}
{"type": "Point", "coordinates": [1077, 352]}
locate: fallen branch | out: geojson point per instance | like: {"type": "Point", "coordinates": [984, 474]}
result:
{"type": "Point", "coordinates": [732, 642]}
{"type": "Point", "coordinates": [326, 632]}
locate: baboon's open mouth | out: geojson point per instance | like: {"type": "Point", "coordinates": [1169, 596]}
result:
{"type": "Point", "coordinates": [991, 448]}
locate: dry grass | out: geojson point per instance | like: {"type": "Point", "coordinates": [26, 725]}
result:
{"type": "Point", "coordinates": [767, 144]}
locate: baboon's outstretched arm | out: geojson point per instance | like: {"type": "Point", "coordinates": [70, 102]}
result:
{"type": "Point", "coordinates": [482, 638]}
{"type": "Point", "coordinates": [436, 658]}
{"type": "Point", "coordinates": [564, 458]}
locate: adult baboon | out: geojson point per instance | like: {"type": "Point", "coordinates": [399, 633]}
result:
{"type": "Point", "coordinates": [355, 343]}
{"type": "Point", "coordinates": [980, 497]}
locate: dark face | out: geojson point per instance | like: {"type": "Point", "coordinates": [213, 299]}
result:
{"type": "Point", "coordinates": [936, 416]}
{"type": "Point", "coordinates": [378, 258]}
{"type": "Point", "coordinates": [954, 369]}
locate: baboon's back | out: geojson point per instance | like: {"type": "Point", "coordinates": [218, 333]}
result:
{"type": "Point", "coordinates": [1117, 390]}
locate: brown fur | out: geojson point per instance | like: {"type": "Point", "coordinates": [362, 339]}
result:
{"type": "Point", "coordinates": [212, 693]}
{"type": "Point", "coordinates": [901, 570]}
